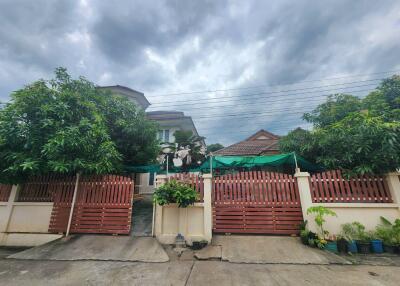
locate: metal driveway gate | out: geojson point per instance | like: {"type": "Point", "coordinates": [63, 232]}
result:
{"type": "Point", "coordinates": [256, 202]}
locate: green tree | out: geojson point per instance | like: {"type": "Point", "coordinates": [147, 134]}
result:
{"type": "Point", "coordinates": [355, 135]}
{"type": "Point", "coordinates": [301, 142]}
{"type": "Point", "coordinates": [214, 147]}
{"type": "Point", "coordinates": [337, 107]}
{"type": "Point", "coordinates": [134, 135]}
{"type": "Point", "coordinates": [63, 125]}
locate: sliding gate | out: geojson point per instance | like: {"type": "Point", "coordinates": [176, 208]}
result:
{"type": "Point", "coordinates": [103, 205]}
{"type": "Point", "coordinates": [256, 202]}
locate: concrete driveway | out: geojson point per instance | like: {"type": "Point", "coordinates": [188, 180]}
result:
{"type": "Point", "coordinates": [98, 247]}
{"type": "Point", "coordinates": [272, 250]}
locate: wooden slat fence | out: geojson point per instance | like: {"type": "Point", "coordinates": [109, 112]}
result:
{"type": "Point", "coordinates": [257, 187]}
{"type": "Point", "coordinates": [195, 181]}
{"type": "Point", "coordinates": [103, 205]}
{"type": "Point", "coordinates": [256, 202]}
{"type": "Point", "coordinates": [333, 187]}
{"type": "Point", "coordinates": [42, 188]}
{"type": "Point", "coordinates": [5, 191]}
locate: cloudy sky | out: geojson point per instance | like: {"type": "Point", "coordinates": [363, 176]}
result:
{"type": "Point", "coordinates": [234, 66]}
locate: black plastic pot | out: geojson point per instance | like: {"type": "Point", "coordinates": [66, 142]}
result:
{"type": "Point", "coordinates": [364, 247]}
{"type": "Point", "coordinates": [389, 248]}
{"type": "Point", "coordinates": [342, 245]}
{"type": "Point", "coordinates": [197, 245]}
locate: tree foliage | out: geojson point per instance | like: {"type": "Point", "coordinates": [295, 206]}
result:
{"type": "Point", "coordinates": [355, 135]}
{"type": "Point", "coordinates": [67, 125]}
{"type": "Point", "coordinates": [214, 147]}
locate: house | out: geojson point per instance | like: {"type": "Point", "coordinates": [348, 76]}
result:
{"type": "Point", "coordinates": [169, 122]}
{"type": "Point", "coordinates": [260, 143]}
{"type": "Point", "coordinates": [135, 96]}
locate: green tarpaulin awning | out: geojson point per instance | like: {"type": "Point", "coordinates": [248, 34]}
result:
{"type": "Point", "coordinates": [230, 162]}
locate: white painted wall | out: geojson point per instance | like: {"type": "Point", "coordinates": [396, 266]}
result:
{"type": "Point", "coordinates": [193, 222]}
{"type": "Point", "coordinates": [30, 217]}
{"type": "Point", "coordinates": [143, 184]}
{"type": "Point", "coordinates": [366, 213]}
{"type": "Point", "coordinates": [24, 223]}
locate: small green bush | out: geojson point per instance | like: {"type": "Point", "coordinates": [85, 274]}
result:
{"type": "Point", "coordinates": [320, 212]}
{"type": "Point", "coordinates": [389, 232]}
{"type": "Point", "coordinates": [175, 192]}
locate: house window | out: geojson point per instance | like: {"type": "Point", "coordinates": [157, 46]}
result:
{"type": "Point", "coordinates": [151, 179]}
{"type": "Point", "coordinates": [160, 135]}
{"type": "Point", "coordinates": [166, 135]}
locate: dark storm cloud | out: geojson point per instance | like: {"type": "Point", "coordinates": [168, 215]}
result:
{"type": "Point", "coordinates": [162, 47]}
{"type": "Point", "coordinates": [122, 32]}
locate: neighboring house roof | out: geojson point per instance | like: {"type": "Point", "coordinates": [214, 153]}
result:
{"type": "Point", "coordinates": [137, 96]}
{"type": "Point", "coordinates": [260, 143]}
{"type": "Point", "coordinates": [178, 119]}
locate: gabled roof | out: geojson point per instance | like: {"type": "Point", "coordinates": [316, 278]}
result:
{"type": "Point", "coordinates": [262, 142]}
{"type": "Point", "coordinates": [129, 92]}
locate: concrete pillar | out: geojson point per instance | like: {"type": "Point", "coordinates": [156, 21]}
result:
{"type": "Point", "coordinates": [393, 180]}
{"type": "Point", "coordinates": [207, 207]}
{"type": "Point", "coordinates": [11, 199]}
{"type": "Point", "coordinates": [305, 197]}
{"type": "Point", "coordinates": [157, 210]}
{"type": "Point", "coordinates": [6, 215]}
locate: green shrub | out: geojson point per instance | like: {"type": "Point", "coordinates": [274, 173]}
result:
{"type": "Point", "coordinates": [360, 233]}
{"type": "Point", "coordinates": [175, 192]}
{"type": "Point", "coordinates": [320, 212]}
{"type": "Point", "coordinates": [389, 232]}
{"type": "Point", "coordinates": [349, 231]}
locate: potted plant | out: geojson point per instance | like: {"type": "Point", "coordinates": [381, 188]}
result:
{"type": "Point", "coordinates": [312, 242]}
{"type": "Point", "coordinates": [304, 236]}
{"type": "Point", "coordinates": [320, 212]}
{"type": "Point", "coordinates": [304, 232]}
{"type": "Point", "coordinates": [389, 233]}
{"type": "Point", "coordinates": [363, 238]}
{"type": "Point", "coordinates": [342, 244]}
{"type": "Point", "coordinates": [349, 234]}
{"type": "Point", "coordinates": [331, 244]}
{"type": "Point", "coordinates": [376, 243]}
{"type": "Point", "coordinates": [175, 192]}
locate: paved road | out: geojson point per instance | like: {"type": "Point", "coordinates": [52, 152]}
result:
{"type": "Point", "coordinates": [28, 272]}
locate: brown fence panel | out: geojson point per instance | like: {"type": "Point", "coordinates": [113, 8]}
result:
{"type": "Point", "coordinates": [5, 191]}
{"type": "Point", "coordinates": [42, 188]}
{"type": "Point", "coordinates": [195, 181]}
{"type": "Point", "coordinates": [103, 205]}
{"type": "Point", "coordinates": [333, 187]}
{"type": "Point", "coordinates": [256, 202]}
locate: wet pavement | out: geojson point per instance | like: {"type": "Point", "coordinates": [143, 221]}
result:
{"type": "Point", "coordinates": [142, 217]}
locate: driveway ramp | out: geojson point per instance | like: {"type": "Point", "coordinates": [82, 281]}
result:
{"type": "Point", "coordinates": [98, 247]}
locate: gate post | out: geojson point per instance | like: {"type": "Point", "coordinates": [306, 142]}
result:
{"type": "Point", "coordinates": [303, 182]}
{"type": "Point", "coordinates": [157, 209]}
{"type": "Point", "coordinates": [5, 221]}
{"type": "Point", "coordinates": [207, 179]}
{"type": "Point", "coordinates": [393, 180]}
